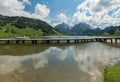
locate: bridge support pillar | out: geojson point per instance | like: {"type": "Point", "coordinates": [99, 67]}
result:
{"type": "Point", "coordinates": [17, 42]}
{"type": "Point", "coordinates": [47, 41]}
{"type": "Point", "coordinates": [8, 42]}
{"type": "Point", "coordinates": [96, 40]}
{"type": "Point", "coordinates": [23, 41]}
{"type": "Point", "coordinates": [105, 40]}
{"type": "Point", "coordinates": [111, 41]}
{"type": "Point", "coordinates": [33, 42]}
{"type": "Point", "coordinates": [58, 41]}
{"type": "Point", "coordinates": [77, 41]}
{"type": "Point", "coordinates": [84, 41]}
{"type": "Point", "coordinates": [116, 41]}
{"type": "Point", "coordinates": [68, 41]}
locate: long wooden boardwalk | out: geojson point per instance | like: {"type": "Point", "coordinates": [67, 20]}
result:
{"type": "Point", "coordinates": [58, 40]}
{"type": "Point", "coordinates": [110, 39]}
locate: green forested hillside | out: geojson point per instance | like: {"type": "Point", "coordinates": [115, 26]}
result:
{"type": "Point", "coordinates": [22, 26]}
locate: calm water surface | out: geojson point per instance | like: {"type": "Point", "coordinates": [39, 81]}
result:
{"type": "Point", "coordinates": [56, 63]}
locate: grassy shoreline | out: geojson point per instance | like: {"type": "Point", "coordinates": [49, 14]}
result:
{"type": "Point", "coordinates": [112, 74]}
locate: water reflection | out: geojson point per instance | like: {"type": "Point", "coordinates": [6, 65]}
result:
{"type": "Point", "coordinates": [75, 63]}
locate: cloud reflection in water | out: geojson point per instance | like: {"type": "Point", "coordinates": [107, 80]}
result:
{"type": "Point", "coordinates": [89, 59]}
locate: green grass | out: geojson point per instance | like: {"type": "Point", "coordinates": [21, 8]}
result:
{"type": "Point", "coordinates": [11, 31]}
{"type": "Point", "coordinates": [57, 33]}
{"type": "Point", "coordinates": [112, 74]}
{"type": "Point", "coordinates": [30, 32]}
{"type": "Point", "coordinates": [4, 35]}
{"type": "Point", "coordinates": [20, 32]}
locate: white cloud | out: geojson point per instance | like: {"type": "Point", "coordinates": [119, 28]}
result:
{"type": "Point", "coordinates": [27, 2]}
{"type": "Point", "coordinates": [62, 17]}
{"type": "Point", "coordinates": [80, 17]}
{"type": "Point", "coordinates": [11, 7]}
{"type": "Point", "coordinates": [16, 8]}
{"type": "Point", "coordinates": [10, 64]}
{"type": "Point", "coordinates": [98, 12]}
{"type": "Point", "coordinates": [117, 13]}
{"type": "Point", "coordinates": [94, 12]}
{"type": "Point", "coordinates": [41, 11]}
{"type": "Point", "coordinates": [54, 24]}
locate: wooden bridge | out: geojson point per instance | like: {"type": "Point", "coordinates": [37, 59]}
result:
{"type": "Point", "coordinates": [59, 40]}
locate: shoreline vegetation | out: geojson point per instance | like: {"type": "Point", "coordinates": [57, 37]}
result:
{"type": "Point", "coordinates": [112, 73]}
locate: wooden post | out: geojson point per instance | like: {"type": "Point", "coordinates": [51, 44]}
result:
{"type": "Point", "coordinates": [105, 40]}
{"type": "Point", "coordinates": [35, 42]}
{"type": "Point", "coordinates": [58, 41]}
{"type": "Point", "coordinates": [68, 41]}
{"type": "Point", "coordinates": [32, 42]}
{"type": "Point", "coordinates": [111, 41]}
{"type": "Point", "coordinates": [96, 40]}
{"type": "Point", "coordinates": [100, 40]}
{"type": "Point", "coordinates": [23, 41]}
{"type": "Point", "coordinates": [83, 40]}
{"type": "Point", "coordinates": [77, 41]}
{"type": "Point", "coordinates": [17, 41]}
{"type": "Point", "coordinates": [47, 41]}
{"type": "Point", "coordinates": [116, 41]}
{"type": "Point", "coordinates": [87, 40]}
{"type": "Point", "coordinates": [8, 42]}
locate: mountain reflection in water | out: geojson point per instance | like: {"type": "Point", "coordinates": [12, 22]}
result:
{"type": "Point", "coordinates": [74, 63]}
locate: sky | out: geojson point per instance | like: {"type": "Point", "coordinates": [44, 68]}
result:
{"type": "Point", "coordinates": [97, 13]}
